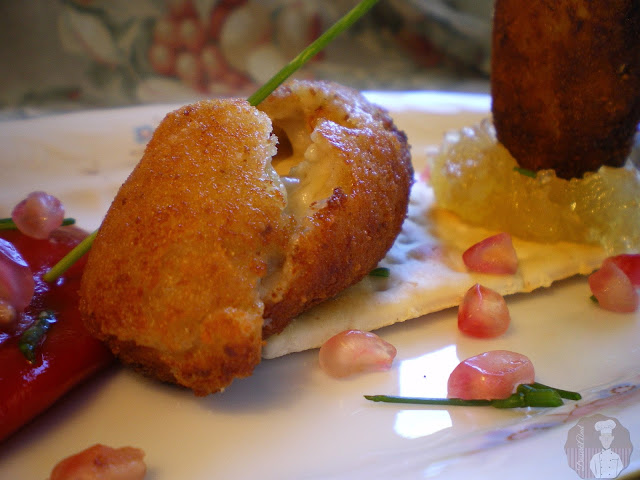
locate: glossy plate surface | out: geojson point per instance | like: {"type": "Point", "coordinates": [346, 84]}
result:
{"type": "Point", "coordinates": [289, 420]}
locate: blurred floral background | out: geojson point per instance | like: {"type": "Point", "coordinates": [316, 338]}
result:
{"type": "Point", "coordinates": [70, 54]}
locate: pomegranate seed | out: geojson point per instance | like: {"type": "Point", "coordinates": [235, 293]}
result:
{"type": "Point", "coordinates": [38, 215]}
{"type": "Point", "coordinates": [483, 313]}
{"type": "Point", "coordinates": [102, 462]}
{"type": "Point", "coordinates": [16, 280]}
{"type": "Point", "coordinates": [490, 375]}
{"type": "Point", "coordinates": [494, 254]}
{"type": "Point", "coordinates": [354, 351]}
{"type": "Point", "coordinates": [629, 263]}
{"type": "Point", "coordinates": [613, 289]}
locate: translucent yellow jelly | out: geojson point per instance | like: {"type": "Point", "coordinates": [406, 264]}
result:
{"type": "Point", "coordinates": [476, 177]}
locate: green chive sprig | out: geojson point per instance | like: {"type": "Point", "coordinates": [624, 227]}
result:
{"type": "Point", "coordinates": [315, 47]}
{"type": "Point", "coordinates": [527, 395]}
{"type": "Point", "coordinates": [9, 224]}
{"type": "Point", "coordinates": [69, 259]}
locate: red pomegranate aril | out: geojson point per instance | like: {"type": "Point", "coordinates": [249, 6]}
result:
{"type": "Point", "coordinates": [490, 375]}
{"type": "Point", "coordinates": [483, 313]}
{"type": "Point", "coordinates": [38, 215]}
{"type": "Point", "coordinates": [100, 462]}
{"type": "Point", "coordinates": [494, 254]}
{"type": "Point", "coordinates": [16, 279]}
{"type": "Point", "coordinates": [354, 351]}
{"type": "Point", "coordinates": [613, 289]}
{"type": "Point", "coordinates": [629, 263]}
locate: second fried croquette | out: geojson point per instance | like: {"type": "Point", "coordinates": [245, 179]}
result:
{"type": "Point", "coordinates": [206, 249]}
{"type": "Point", "coordinates": [565, 82]}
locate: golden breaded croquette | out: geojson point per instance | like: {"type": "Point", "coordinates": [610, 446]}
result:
{"type": "Point", "coordinates": [206, 250]}
{"type": "Point", "coordinates": [171, 283]}
{"type": "Point", "coordinates": [565, 82]}
{"type": "Point", "coordinates": [351, 172]}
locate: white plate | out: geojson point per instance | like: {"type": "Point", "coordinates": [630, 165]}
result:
{"type": "Point", "coordinates": [290, 421]}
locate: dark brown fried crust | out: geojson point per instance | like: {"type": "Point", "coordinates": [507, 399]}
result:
{"type": "Point", "coordinates": [565, 82]}
{"type": "Point", "coordinates": [338, 244]}
{"type": "Point", "coordinates": [171, 282]}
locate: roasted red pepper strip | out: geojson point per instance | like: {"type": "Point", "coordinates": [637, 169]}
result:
{"type": "Point", "coordinates": [67, 354]}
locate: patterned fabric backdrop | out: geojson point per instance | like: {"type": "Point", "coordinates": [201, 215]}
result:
{"type": "Point", "coordinates": [66, 54]}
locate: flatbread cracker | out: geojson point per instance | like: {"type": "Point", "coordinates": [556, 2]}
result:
{"type": "Point", "coordinates": [427, 275]}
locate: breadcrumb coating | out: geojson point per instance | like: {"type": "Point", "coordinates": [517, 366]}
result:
{"type": "Point", "coordinates": [206, 250]}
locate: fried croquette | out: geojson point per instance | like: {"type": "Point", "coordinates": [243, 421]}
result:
{"type": "Point", "coordinates": [171, 283]}
{"type": "Point", "coordinates": [206, 250]}
{"type": "Point", "coordinates": [349, 173]}
{"type": "Point", "coordinates": [565, 82]}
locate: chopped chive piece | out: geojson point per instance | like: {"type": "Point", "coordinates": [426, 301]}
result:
{"type": "Point", "coordinates": [69, 259]}
{"type": "Point", "coordinates": [540, 397]}
{"type": "Point", "coordinates": [593, 299]}
{"type": "Point", "coordinates": [33, 336]}
{"type": "Point", "coordinates": [543, 398]}
{"type": "Point", "coordinates": [526, 172]}
{"type": "Point", "coordinates": [316, 46]}
{"type": "Point", "coordinates": [8, 224]}
{"type": "Point", "coordinates": [380, 272]}
{"type": "Point", "coordinates": [568, 394]}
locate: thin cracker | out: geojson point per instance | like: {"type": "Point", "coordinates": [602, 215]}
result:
{"type": "Point", "coordinates": [427, 275]}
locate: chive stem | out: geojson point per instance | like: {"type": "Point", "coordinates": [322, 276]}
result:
{"type": "Point", "coordinates": [540, 397]}
{"type": "Point", "coordinates": [69, 259]}
{"type": "Point", "coordinates": [527, 395]}
{"type": "Point", "coordinates": [9, 224]}
{"type": "Point", "coordinates": [316, 46]}
{"type": "Point", "coordinates": [428, 401]}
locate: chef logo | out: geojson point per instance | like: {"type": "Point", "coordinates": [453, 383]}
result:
{"type": "Point", "coordinates": [598, 447]}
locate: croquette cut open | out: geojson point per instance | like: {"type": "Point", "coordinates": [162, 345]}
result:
{"type": "Point", "coordinates": [236, 220]}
